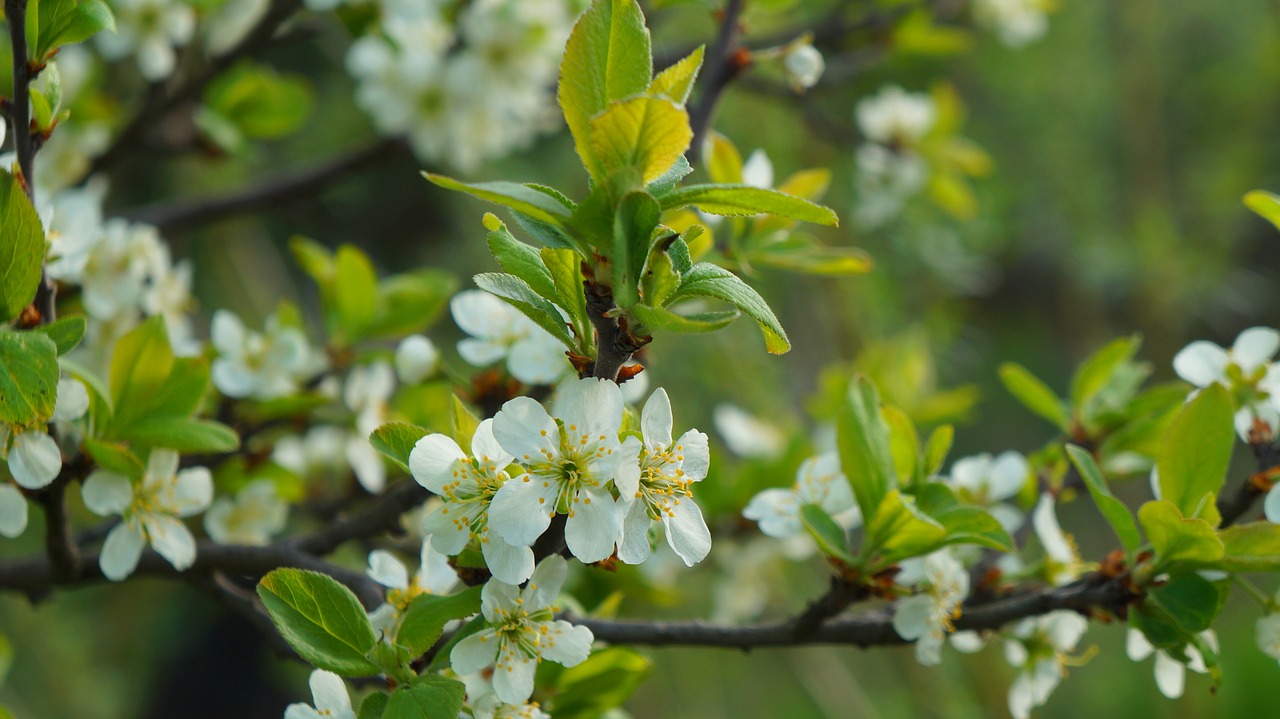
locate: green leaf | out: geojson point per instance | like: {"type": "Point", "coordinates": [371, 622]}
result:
{"type": "Point", "coordinates": [373, 706]}
{"type": "Point", "coordinates": [41, 110]}
{"type": "Point", "coordinates": [936, 449]}
{"type": "Point", "coordinates": [28, 378]}
{"type": "Point", "coordinates": [669, 179]}
{"type": "Point", "coordinates": [21, 251]}
{"type": "Point", "coordinates": [140, 364]}
{"type": "Point", "coordinates": [1192, 601]}
{"type": "Point", "coordinates": [661, 278]}
{"type": "Point", "coordinates": [1265, 204]}
{"type": "Point", "coordinates": [66, 22]}
{"type": "Point", "coordinates": [1193, 459]}
{"type": "Point", "coordinates": [424, 620]}
{"type": "Point", "coordinates": [321, 620]}
{"type": "Point", "coordinates": [315, 259]}
{"type": "Point", "coordinates": [830, 536]}
{"type": "Point", "coordinates": [676, 82]}
{"type": "Point", "coordinates": [743, 200]}
{"type": "Point", "coordinates": [114, 457]}
{"type": "Point", "coordinates": [647, 133]}
{"type": "Point", "coordinates": [707, 280]}
{"type": "Point", "coordinates": [862, 438]}
{"type": "Point", "coordinates": [261, 103]}
{"type": "Point", "coordinates": [354, 287]}
{"type": "Point", "coordinates": [565, 268]}
{"type": "Point", "coordinates": [66, 332]}
{"type": "Point", "coordinates": [182, 391]}
{"type": "Point", "coordinates": [796, 255]}
{"type": "Point", "coordinates": [898, 530]}
{"type": "Point", "coordinates": [463, 424]}
{"type": "Point", "coordinates": [396, 441]}
{"type": "Point", "coordinates": [1097, 371]}
{"type": "Point", "coordinates": [604, 681]}
{"type": "Point", "coordinates": [904, 443]}
{"type": "Point", "coordinates": [1113, 510]}
{"type": "Point", "coordinates": [973, 525]}
{"type": "Point", "coordinates": [520, 295]}
{"type": "Point", "coordinates": [1177, 539]}
{"type": "Point", "coordinates": [1034, 394]}
{"type": "Point", "coordinates": [183, 434]}
{"type": "Point", "coordinates": [633, 226]}
{"type": "Point", "coordinates": [607, 58]}
{"type": "Point", "coordinates": [526, 200]}
{"type": "Point", "coordinates": [653, 318]}
{"type": "Point", "coordinates": [411, 302]}
{"type": "Point", "coordinates": [429, 697]}
{"type": "Point", "coordinates": [722, 160]}
{"type": "Point", "coordinates": [1252, 547]}
{"type": "Point", "coordinates": [521, 260]}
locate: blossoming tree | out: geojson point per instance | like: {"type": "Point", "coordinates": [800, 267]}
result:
{"type": "Point", "coordinates": [556, 463]}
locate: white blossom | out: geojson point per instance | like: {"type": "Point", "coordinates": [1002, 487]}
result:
{"type": "Point", "coordinates": [1038, 648]}
{"type": "Point", "coordinates": [895, 116]}
{"type": "Point", "coordinates": [988, 482]}
{"type": "Point", "coordinates": [926, 618]}
{"type": "Point", "coordinates": [819, 481]}
{"type": "Point", "coordinates": [260, 365]}
{"type": "Point", "coordinates": [757, 171]}
{"type": "Point", "coordinates": [434, 576]}
{"type": "Point", "coordinates": [330, 696]}
{"type": "Point", "coordinates": [747, 435]}
{"type": "Point", "coordinates": [322, 448]}
{"type": "Point", "coordinates": [416, 359]}
{"type": "Point", "coordinates": [569, 461]}
{"type": "Point", "coordinates": [804, 65]}
{"type": "Point", "coordinates": [499, 332]}
{"type": "Point", "coordinates": [1062, 559]}
{"type": "Point", "coordinates": [1267, 635]}
{"type": "Point", "coordinates": [255, 515]}
{"type": "Point", "coordinates": [151, 510]}
{"type": "Point", "coordinates": [1246, 370]}
{"type": "Point", "coordinates": [1016, 22]}
{"type": "Point", "coordinates": [149, 29]}
{"type": "Point", "coordinates": [366, 393]}
{"type": "Point", "coordinates": [1170, 673]}
{"type": "Point", "coordinates": [13, 510]}
{"type": "Point", "coordinates": [467, 484]}
{"type": "Point", "coordinates": [34, 457]}
{"type": "Point", "coordinates": [522, 630]}
{"type": "Point", "coordinates": [655, 484]}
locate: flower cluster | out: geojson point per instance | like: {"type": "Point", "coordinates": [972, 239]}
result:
{"type": "Point", "coordinates": [526, 466]}
{"type": "Point", "coordinates": [820, 481]}
{"type": "Point", "coordinates": [149, 30]}
{"type": "Point", "coordinates": [890, 169]}
{"type": "Point", "coordinates": [462, 91]}
{"type": "Point", "coordinates": [265, 365]}
{"type": "Point", "coordinates": [498, 332]}
{"type": "Point", "coordinates": [927, 617]}
{"type": "Point", "coordinates": [1247, 371]}
{"type": "Point", "coordinates": [1016, 22]}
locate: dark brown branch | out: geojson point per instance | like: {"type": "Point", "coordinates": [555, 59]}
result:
{"type": "Point", "coordinates": [1089, 596]}
{"type": "Point", "coordinates": [724, 63]}
{"type": "Point", "coordinates": [290, 186]}
{"type": "Point", "coordinates": [1235, 504]}
{"type": "Point", "coordinates": [162, 97]}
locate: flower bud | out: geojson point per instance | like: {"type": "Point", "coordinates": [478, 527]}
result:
{"type": "Point", "coordinates": [416, 359]}
{"type": "Point", "coordinates": [804, 65]}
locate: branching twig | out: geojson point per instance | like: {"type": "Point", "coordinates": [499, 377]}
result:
{"type": "Point", "coordinates": [723, 64]}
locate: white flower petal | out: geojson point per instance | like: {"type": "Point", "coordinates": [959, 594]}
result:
{"type": "Point", "coordinates": [516, 512]}
{"type": "Point", "coordinates": [697, 455]}
{"type": "Point", "coordinates": [687, 532]}
{"type": "Point", "coordinates": [593, 526]}
{"type": "Point", "coordinates": [106, 493]}
{"type": "Point", "coordinates": [121, 551]}
{"type": "Point", "coordinates": [524, 429]}
{"type": "Point", "coordinates": [485, 447]}
{"type": "Point", "coordinates": [72, 401]}
{"type": "Point", "coordinates": [367, 464]}
{"type": "Point", "coordinates": [507, 563]}
{"type": "Point", "coordinates": [633, 540]}
{"type": "Point", "coordinates": [192, 491]}
{"type": "Point", "coordinates": [593, 405]}
{"type": "Point", "coordinates": [386, 570]}
{"type": "Point", "coordinates": [538, 359]}
{"type": "Point", "coordinates": [777, 512]}
{"type": "Point", "coordinates": [1008, 474]}
{"type": "Point", "coordinates": [34, 459]}
{"type": "Point", "coordinates": [656, 420]}
{"type": "Point", "coordinates": [162, 466]}
{"type": "Point", "coordinates": [480, 353]}
{"type": "Point", "coordinates": [13, 511]}
{"type": "Point", "coordinates": [449, 527]}
{"type": "Point", "coordinates": [1201, 363]}
{"type": "Point", "coordinates": [569, 645]}
{"type": "Point", "coordinates": [1272, 505]}
{"type": "Point", "coordinates": [1170, 675]}
{"type": "Point", "coordinates": [475, 652]}
{"type": "Point", "coordinates": [329, 691]}
{"type": "Point", "coordinates": [1254, 348]}
{"type": "Point", "coordinates": [301, 711]}
{"type": "Point", "coordinates": [513, 681]}
{"type": "Point", "coordinates": [435, 576]}
{"type": "Point", "coordinates": [1137, 646]}
{"type": "Point", "coordinates": [416, 359]}
{"type": "Point", "coordinates": [171, 539]}
{"type": "Point", "coordinates": [544, 585]}
{"type": "Point", "coordinates": [433, 461]}
{"type": "Point", "coordinates": [627, 477]}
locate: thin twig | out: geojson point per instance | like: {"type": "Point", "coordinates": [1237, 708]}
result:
{"type": "Point", "coordinates": [723, 64]}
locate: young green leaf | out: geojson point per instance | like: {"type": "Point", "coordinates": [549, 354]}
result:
{"type": "Point", "coordinates": [936, 449]}
{"type": "Point", "coordinates": [396, 439]}
{"type": "Point", "coordinates": [830, 537]}
{"type": "Point", "coordinates": [1192, 601]}
{"type": "Point", "coordinates": [1193, 460]}
{"type": "Point", "coordinates": [608, 57]}
{"type": "Point", "coordinates": [904, 442]}
{"type": "Point", "coordinates": [707, 280]}
{"type": "Point", "coordinates": [798, 255]}
{"type": "Point", "coordinates": [565, 268]}
{"type": "Point", "coordinates": [862, 438]}
{"type": "Point", "coordinates": [647, 133]}
{"type": "Point", "coordinates": [21, 251]}
{"type": "Point", "coordinates": [1113, 510]}
{"type": "Point", "coordinates": [1178, 539]}
{"type": "Point", "coordinates": [676, 82]}
{"type": "Point", "coordinates": [521, 198]}
{"type": "Point", "coordinates": [633, 227]}
{"type": "Point", "coordinates": [424, 620]}
{"type": "Point", "coordinates": [898, 530]}
{"type": "Point", "coordinates": [654, 318]}
{"type": "Point", "coordinates": [28, 378]}
{"type": "Point", "coordinates": [114, 457]}
{"type": "Point", "coordinates": [1097, 371]}
{"type": "Point", "coordinates": [66, 332]}
{"type": "Point", "coordinates": [1252, 547]}
{"type": "Point", "coordinates": [661, 278]}
{"type": "Point", "coordinates": [669, 179]}
{"type": "Point", "coordinates": [722, 160]}
{"type": "Point", "coordinates": [744, 200]}
{"type": "Point", "coordinates": [66, 22]}
{"type": "Point", "coordinates": [354, 287]}
{"type": "Point", "coordinates": [430, 696]}
{"type": "Point", "coordinates": [972, 525]}
{"type": "Point", "coordinates": [520, 295]}
{"type": "Point", "coordinates": [321, 619]}
{"type": "Point", "coordinates": [410, 302]}
{"type": "Point", "coordinates": [182, 434]}
{"type": "Point", "coordinates": [1265, 204]}
{"type": "Point", "coordinates": [1034, 394]}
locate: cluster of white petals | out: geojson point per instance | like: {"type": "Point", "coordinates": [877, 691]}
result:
{"type": "Point", "coordinates": [33, 456]}
{"type": "Point", "coordinates": [522, 631]}
{"type": "Point", "coordinates": [152, 510]}
{"type": "Point", "coordinates": [889, 169]}
{"type": "Point", "coordinates": [1039, 648]}
{"type": "Point", "coordinates": [329, 694]}
{"type": "Point", "coordinates": [820, 481]}
{"type": "Point", "coordinates": [434, 576]}
{"type": "Point", "coordinates": [253, 516]}
{"type": "Point", "coordinates": [261, 365]}
{"type": "Point", "coordinates": [150, 30]}
{"type": "Point", "coordinates": [988, 481]}
{"type": "Point", "coordinates": [464, 89]}
{"type": "Point", "coordinates": [1171, 674]}
{"type": "Point", "coordinates": [1015, 22]}
{"type": "Point", "coordinates": [927, 617]}
{"type": "Point", "coordinates": [499, 332]}
{"type": "Point", "coordinates": [1246, 369]}
{"type": "Point", "coordinates": [1063, 563]}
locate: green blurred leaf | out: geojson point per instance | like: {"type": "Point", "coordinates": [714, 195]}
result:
{"type": "Point", "coordinates": [1178, 539]}
{"type": "Point", "coordinates": [707, 280]}
{"type": "Point", "coordinates": [373, 706]}
{"type": "Point", "coordinates": [607, 58]}
{"type": "Point", "coordinates": [862, 438]}
{"type": "Point", "coordinates": [261, 103]}
{"type": "Point", "coordinates": [1192, 601]}
{"type": "Point", "coordinates": [798, 255]}
{"type": "Point", "coordinates": [647, 133]}
{"type": "Point", "coordinates": [1113, 510]}
{"type": "Point", "coordinates": [676, 82]}
{"type": "Point", "coordinates": [898, 529]}
{"type": "Point", "coordinates": [1196, 451]}
{"type": "Point", "coordinates": [526, 200]}
{"type": "Point", "coordinates": [604, 681]}
{"type": "Point", "coordinates": [1097, 371]}
{"type": "Point", "coordinates": [633, 227]}
{"type": "Point", "coordinates": [1265, 204]}
{"type": "Point", "coordinates": [396, 441]}
{"type": "Point", "coordinates": [321, 619]}
{"type": "Point", "coordinates": [410, 302]}
{"type": "Point", "coordinates": [355, 286]}
{"type": "Point", "coordinates": [1252, 547]}
{"type": "Point", "coordinates": [904, 442]}
{"type": "Point", "coordinates": [829, 535]}
{"type": "Point", "coordinates": [1034, 394]}
{"type": "Point", "coordinates": [428, 697]}
{"type": "Point", "coordinates": [114, 457]}
{"type": "Point", "coordinates": [66, 332]}
{"type": "Point", "coordinates": [974, 525]}
{"type": "Point", "coordinates": [462, 423]}
{"type": "Point", "coordinates": [520, 295]}
{"type": "Point", "coordinates": [28, 378]}
{"type": "Point", "coordinates": [182, 434]}
{"type": "Point", "coordinates": [424, 620]}
{"type": "Point", "coordinates": [66, 22]}
{"type": "Point", "coordinates": [722, 160]}
{"type": "Point", "coordinates": [744, 200]}
{"type": "Point", "coordinates": [315, 259]}
{"type": "Point", "coordinates": [140, 364]}
{"type": "Point", "coordinates": [936, 449]}
{"type": "Point", "coordinates": [654, 318]}
{"type": "Point", "coordinates": [21, 251]}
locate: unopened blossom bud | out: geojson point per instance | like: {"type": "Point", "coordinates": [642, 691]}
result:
{"type": "Point", "coordinates": [416, 359]}
{"type": "Point", "coordinates": [804, 65]}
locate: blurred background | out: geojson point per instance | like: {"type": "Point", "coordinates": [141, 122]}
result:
{"type": "Point", "coordinates": [1097, 193]}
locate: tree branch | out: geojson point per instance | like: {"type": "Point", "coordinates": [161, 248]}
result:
{"type": "Point", "coordinates": [724, 63]}
{"type": "Point", "coordinates": [1234, 505]}
{"type": "Point", "coordinates": [286, 187]}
